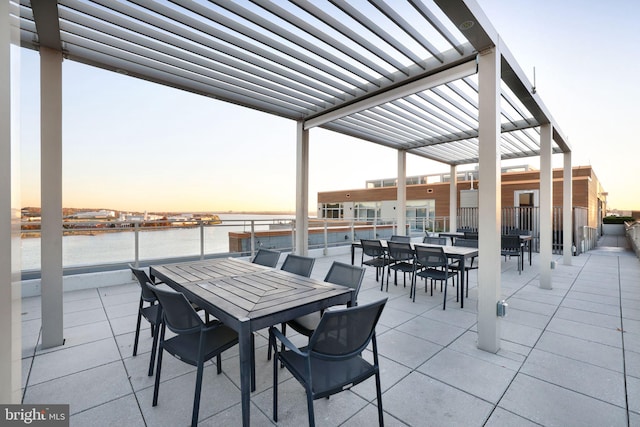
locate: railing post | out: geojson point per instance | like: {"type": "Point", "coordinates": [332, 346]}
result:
{"type": "Point", "coordinates": [136, 244]}
{"type": "Point", "coordinates": [293, 236]}
{"type": "Point", "coordinates": [326, 238]}
{"type": "Point", "coordinates": [253, 238]}
{"type": "Point", "coordinates": [353, 231]}
{"type": "Point", "coordinates": [201, 239]}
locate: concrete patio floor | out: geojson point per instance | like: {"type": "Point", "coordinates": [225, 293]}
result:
{"type": "Point", "coordinates": [570, 356]}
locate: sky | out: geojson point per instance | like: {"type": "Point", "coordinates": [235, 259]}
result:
{"type": "Point", "coordinates": [131, 145]}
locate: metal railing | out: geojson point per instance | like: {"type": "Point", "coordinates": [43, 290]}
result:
{"type": "Point", "coordinates": [104, 245]}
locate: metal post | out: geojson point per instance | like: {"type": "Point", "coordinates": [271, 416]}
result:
{"type": "Point", "coordinates": [253, 238]}
{"type": "Point", "coordinates": [546, 197]}
{"type": "Point", "coordinates": [136, 243]}
{"type": "Point", "coordinates": [326, 238]}
{"type": "Point", "coordinates": [201, 239]}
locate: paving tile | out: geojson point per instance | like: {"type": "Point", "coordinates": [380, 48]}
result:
{"type": "Point", "coordinates": [532, 306]}
{"type": "Point", "coordinates": [439, 403]}
{"type": "Point", "coordinates": [633, 393]}
{"type": "Point", "coordinates": [520, 334]}
{"type": "Point", "coordinates": [600, 383]}
{"type": "Point", "coordinates": [83, 390]}
{"type": "Point", "coordinates": [65, 361]}
{"type": "Point", "coordinates": [123, 411]}
{"type": "Point", "coordinates": [586, 351]}
{"type": "Point", "coordinates": [456, 317]}
{"type": "Point", "coordinates": [589, 318]}
{"type": "Point", "coordinates": [609, 336]}
{"type": "Point", "coordinates": [175, 401]}
{"type": "Point", "coordinates": [431, 330]}
{"type": "Point", "coordinates": [501, 418]}
{"type": "Point", "coordinates": [233, 417]}
{"type": "Point", "coordinates": [292, 405]}
{"type": "Point", "coordinates": [550, 405]}
{"type": "Point", "coordinates": [485, 380]}
{"type": "Point", "coordinates": [632, 363]}
{"type": "Point", "coordinates": [406, 349]}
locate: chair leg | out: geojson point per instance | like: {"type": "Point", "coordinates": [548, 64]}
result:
{"type": "Point", "coordinates": [275, 378]}
{"type": "Point", "coordinates": [312, 418]}
{"type": "Point", "coordinates": [153, 348]}
{"type": "Point", "coordinates": [135, 341]}
{"type": "Point", "coordinates": [156, 387]}
{"type": "Point", "coordinates": [196, 398]}
{"type": "Point", "coordinates": [379, 398]}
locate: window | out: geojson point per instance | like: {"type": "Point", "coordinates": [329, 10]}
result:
{"type": "Point", "coordinates": [421, 214]}
{"type": "Point", "coordinates": [366, 211]}
{"type": "Point", "coordinates": [332, 210]}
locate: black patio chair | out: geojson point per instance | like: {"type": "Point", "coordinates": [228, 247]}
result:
{"type": "Point", "coordinates": [468, 243]}
{"type": "Point", "coordinates": [300, 265]}
{"type": "Point", "coordinates": [378, 254]}
{"type": "Point", "coordinates": [432, 240]}
{"type": "Point", "coordinates": [266, 257]}
{"type": "Point", "coordinates": [151, 313]}
{"type": "Point", "coordinates": [473, 235]}
{"type": "Point", "coordinates": [339, 274]}
{"type": "Point", "coordinates": [432, 263]}
{"type": "Point", "coordinates": [195, 341]}
{"type": "Point", "coordinates": [401, 256]}
{"type": "Point", "coordinates": [333, 361]}
{"type": "Point", "coordinates": [512, 247]}
{"type": "Point", "coordinates": [400, 239]}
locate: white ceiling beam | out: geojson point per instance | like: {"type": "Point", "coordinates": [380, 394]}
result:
{"type": "Point", "coordinates": [454, 73]}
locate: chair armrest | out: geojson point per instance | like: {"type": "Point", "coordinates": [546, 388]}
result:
{"type": "Point", "coordinates": [285, 341]}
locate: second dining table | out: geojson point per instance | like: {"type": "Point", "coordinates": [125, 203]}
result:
{"type": "Point", "coordinates": [248, 297]}
{"type": "Point", "coordinates": [459, 253]}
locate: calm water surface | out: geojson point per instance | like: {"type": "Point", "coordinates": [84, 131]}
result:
{"type": "Point", "coordinates": [104, 248]}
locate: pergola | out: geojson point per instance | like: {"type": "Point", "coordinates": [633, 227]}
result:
{"type": "Point", "coordinates": [429, 78]}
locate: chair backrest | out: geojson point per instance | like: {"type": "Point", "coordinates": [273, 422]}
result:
{"type": "Point", "coordinates": [178, 313]}
{"type": "Point", "coordinates": [145, 282]}
{"type": "Point", "coordinates": [399, 251]}
{"type": "Point", "coordinates": [435, 240]}
{"type": "Point", "coordinates": [398, 238]}
{"type": "Point", "coordinates": [346, 275]}
{"type": "Point", "coordinates": [519, 232]}
{"type": "Point", "coordinates": [471, 235]}
{"type": "Point", "coordinates": [510, 242]}
{"type": "Point", "coordinates": [372, 248]}
{"type": "Point", "coordinates": [345, 333]}
{"type": "Point", "coordinates": [431, 256]}
{"type": "Point", "coordinates": [468, 243]}
{"type": "Point", "coordinates": [266, 257]}
{"type": "Point", "coordinates": [297, 264]}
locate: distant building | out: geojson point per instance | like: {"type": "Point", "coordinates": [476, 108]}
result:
{"type": "Point", "coordinates": [428, 195]}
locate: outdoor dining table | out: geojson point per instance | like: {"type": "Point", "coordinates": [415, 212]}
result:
{"type": "Point", "coordinates": [248, 297]}
{"type": "Point", "coordinates": [525, 240]}
{"type": "Point", "coordinates": [459, 253]}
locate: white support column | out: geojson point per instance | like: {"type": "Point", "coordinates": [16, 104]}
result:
{"type": "Point", "coordinates": [401, 204]}
{"type": "Point", "coordinates": [10, 285]}
{"type": "Point", "coordinates": [453, 200]}
{"type": "Point", "coordinates": [567, 210]}
{"type": "Point", "coordinates": [51, 197]}
{"type": "Point", "coordinates": [489, 203]}
{"type": "Point", "coordinates": [302, 190]}
{"type": "Point", "coordinates": [546, 209]}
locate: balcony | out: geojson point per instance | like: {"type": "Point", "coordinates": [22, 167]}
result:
{"type": "Point", "coordinates": [564, 359]}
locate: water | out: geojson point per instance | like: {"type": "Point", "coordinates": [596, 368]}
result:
{"type": "Point", "coordinates": [115, 247]}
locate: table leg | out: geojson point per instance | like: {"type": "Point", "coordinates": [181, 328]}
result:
{"type": "Point", "coordinates": [244, 338]}
{"type": "Point", "coordinates": [461, 284]}
{"type": "Point", "coordinates": [353, 251]}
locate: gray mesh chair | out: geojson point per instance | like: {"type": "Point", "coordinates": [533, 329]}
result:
{"type": "Point", "coordinates": [471, 265]}
{"type": "Point", "coordinates": [300, 265]}
{"type": "Point", "coordinates": [401, 258]}
{"type": "Point", "coordinates": [195, 342]}
{"type": "Point", "coordinates": [151, 313]}
{"type": "Point", "coordinates": [431, 240]}
{"type": "Point", "coordinates": [378, 256]}
{"type": "Point", "coordinates": [432, 263]}
{"type": "Point", "coordinates": [266, 257]}
{"type": "Point", "coordinates": [400, 239]}
{"type": "Point", "coordinates": [511, 246]}
{"type": "Point", "coordinates": [333, 361]}
{"type": "Point", "coordinates": [339, 274]}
